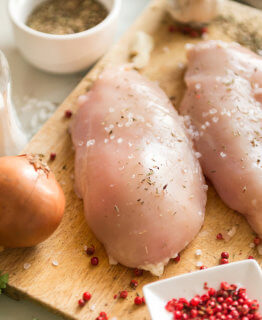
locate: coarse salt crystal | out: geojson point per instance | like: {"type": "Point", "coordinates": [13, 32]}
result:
{"type": "Point", "coordinates": [205, 187]}
{"type": "Point", "coordinates": [198, 252]}
{"type": "Point", "coordinates": [111, 110]}
{"type": "Point", "coordinates": [230, 234]}
{"type": "Point", "coordinates": [213, 111]}
{"type": "Point", "coordinates": [181, 65]}
{"type": "Point", "coordinates": [222, 155]}
{"type": "Point", "coordinates": [198, 155]}
{"type": "Point", "coordinates": [82, 99]}
{"type": "Point", "coordinates": [27, 266]}
{"type": "Point", "coordinates": [85, 248]}
{"type": "Point", "coordinates": [112, 137]}
{"type": "Point", "coordinates": [252, 245]}
{"type": "Point", "coordinates": [199, 264]}
{"type": "Point", "coordinates": [198, 86]}
{"type": "Point", "coordinates": [55, 263]}
{"type": "Point", "coordinates": [215, 119]}
{"type": "Point", "coordinates": [92, 307]}
{"type": "Point", "coordinates": [119, 140]}
{"type": "Point", "coordinates": [90, 142]}
{"type": "Point", "coordinates": [106, 141]}
{"type": "Point", "coordinates": [189, 46]}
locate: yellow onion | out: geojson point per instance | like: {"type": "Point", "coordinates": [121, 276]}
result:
{"type": "Point", "coordinates": [32, 202]}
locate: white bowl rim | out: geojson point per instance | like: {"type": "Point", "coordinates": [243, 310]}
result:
{"type": "Point", "coordinates": [220, 268]}
{"type": "Point", "coordinates": [112, 14]}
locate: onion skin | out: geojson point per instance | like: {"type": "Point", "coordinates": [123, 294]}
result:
{"type": "Point", "coordinates": [32, 202]}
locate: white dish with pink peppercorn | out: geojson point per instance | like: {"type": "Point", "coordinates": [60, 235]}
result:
{"type": "Point", "coordinates": [244, 274]}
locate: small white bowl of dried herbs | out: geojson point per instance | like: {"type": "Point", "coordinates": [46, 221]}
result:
{"type": "Point", "coordinates": [64, 36]}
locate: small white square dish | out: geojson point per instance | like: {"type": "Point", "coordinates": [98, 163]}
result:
{"type": "Point", "coordinates": [246, 274]}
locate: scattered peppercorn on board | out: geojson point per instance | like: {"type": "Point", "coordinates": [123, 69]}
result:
{"type": "Point", "coordinates": [57, 272]}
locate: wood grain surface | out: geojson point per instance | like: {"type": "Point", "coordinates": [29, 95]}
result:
{"type": "Point", "coordinates": [60, 287]}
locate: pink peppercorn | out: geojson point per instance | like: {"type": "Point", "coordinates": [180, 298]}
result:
{"type": "Point", "coordinates": [138, 301]}
{"type": "Point", "coordinates": [257, 241]}
{"type": "Point", "coordinates": [133, 284]}
{"type": "Point", "coordinates": [123, 294]}
{"type": "Point", "coordinates": [90, 251]}
{"type": "Point", "coordinates": [195, 301]}
{"type": "Point", "coordinates": [87, 296]}
{"type": "Point", "coordinates": [224, 261]}
{"type": "Point", "coordinates": [225, 255]}
{"type": "Point", "coordinates": [94, 261]}
{"type": "Point", "coordinates": [81, 302]}
{"type": "Point", "coordinates": [52, 156]}
{"type": "Point", "coordinates": [219, 236]}
{"type": "Point", "coordinates": [177, 258]}
{"type": "Point", "coordinates": [68, 114]}
{"type": "Point", "coordinates": [138, 272]}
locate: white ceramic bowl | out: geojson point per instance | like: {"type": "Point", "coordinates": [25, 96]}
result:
{"type": "Point", "coordinates": [244, 273]}
{"type": "Point", "coordinates": [62, 53]}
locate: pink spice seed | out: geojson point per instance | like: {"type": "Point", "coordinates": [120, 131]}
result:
{"type": "Point", "coordinates": [94, 261]}
{"type": "Point", "coordinates": [138, 272]}
{"type": "Point", "coordinates": [123, 294]}
{"type": "Point", "coordinates": [257, 241]}
{"type": "Point", "coordinates": [227, 303]}
{"type": "Point", "coordinates": [203, 268]}
{"type": "Point", "coordinates": [133, 284]}
{"type": "Point", "coordinates": [87, 296]}
{"type": "Point", "coordinates": [68, 114]}
{"type": "Point", "coordinates": [81, 302]}
{"type": "Point", "coordinates": [52, 156]}
{"type": "Point", "coordinates": [139, 300]}
{"type": "Point", "coordinates": [224, 255]}
{"type": "Point", "coordinates": [224, 261]}
{"type": "Point", "coordinates": [90, 251]}
{"type": "Point", "coordinates": [219, 236]}
{"type": "Point", "coordinates": [177, 258]}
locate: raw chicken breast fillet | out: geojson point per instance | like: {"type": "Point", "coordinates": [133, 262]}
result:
{"type": "Point", "coordinates": [223, 108]}
{"type": "Point", "coordinates": [142, 186]}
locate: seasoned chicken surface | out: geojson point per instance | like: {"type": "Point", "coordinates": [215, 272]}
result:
{"type": "Point", "coordinates": [223, 111]}
{"type": "Point", "coordinates": [143, 190]}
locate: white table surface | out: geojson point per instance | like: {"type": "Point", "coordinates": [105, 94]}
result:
{"type": "Point", "coordinates": [28, 81]}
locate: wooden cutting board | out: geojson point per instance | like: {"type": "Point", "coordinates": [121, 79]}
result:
{"type": "Point", "coordinates": [60, 287]}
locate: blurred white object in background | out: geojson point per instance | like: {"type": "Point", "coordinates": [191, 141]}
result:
{"type": "Point", "coordinates": [254, 3]}
{"type": "Point", "coordinates": [12, 138]}
{"type": "Point", "coordinates": [141, 49]}
{"type": "Point", "coordinates": [194, 11]}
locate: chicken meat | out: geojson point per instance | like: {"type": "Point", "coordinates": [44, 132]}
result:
{"type": "Point", "coordinates": [143, 189]}
{"type": "Point", "coordinates": [223, 112]}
